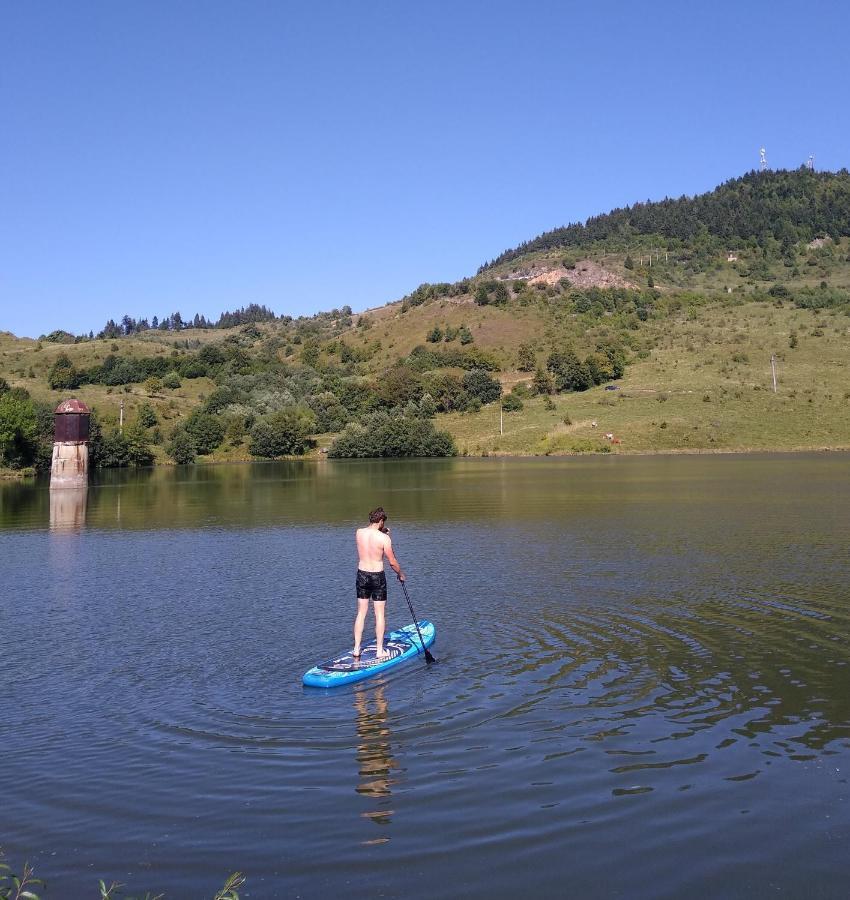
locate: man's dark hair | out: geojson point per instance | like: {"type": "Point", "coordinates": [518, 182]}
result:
{"type": "Point", "coordinates": [377, 515]}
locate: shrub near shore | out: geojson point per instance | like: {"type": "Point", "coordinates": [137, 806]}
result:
{"type": "Point", "coordinates": [382, 435]}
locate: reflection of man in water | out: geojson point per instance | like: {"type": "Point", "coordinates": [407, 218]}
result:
{"type": "Point", "coordinates": [373, 544]}
{"type": "Point", "coordinates": [374, 755]}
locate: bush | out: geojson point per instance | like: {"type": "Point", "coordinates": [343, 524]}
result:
{"type": "Point", "coordinates": [478, 384]}
{"type": "Point", "coordinates": [220, 398]}
{"type": "Point", "coordinates": [427, 407]}
{"type": "Point", "coordinates": [206, 431]}
{"type": "Point", "coordinates": [383, 436]}
{"type": "Point", "coordinates": [512, 403]}
{"type": "Point", "coordinates": [600, 368]}
{"type": "Point", "coordinates": [181, 447]}
{"type": "Point", "coordinates": [526, 358]}
{"type": "Point", "coordinates": [146, 416]}
{"type": "Point", "coordinates": [424, 359]}
{"type": "Point", "coordinates": [138, 446]}
{"type": "Point", "coordinates": [445, 389]}
{"type": "Point", "coordinates": [482, 297]}
{"type": "Point", "coordinates": [398, 385]}
{"type": "Point", "coordinates": [330, 414]}
{"type": "Point", "coordinates": [59, 337]}
{"type": "Point", "coordinates": [18, 430]}
{"type": "Point", "coordinates": [541, 383]}
{"type": "Point", "coordinates": [570, 374]}
{"type": "Point", "coordinates": [117, 451]}
{"type": "Point", "coordinates": [435, 335]}
{"type": "Point", "coordinates": [171, 381]}
{"type": "Point", "coordinates": [63, 376]}
{"type": "Point", "coordinates": [283, 433]}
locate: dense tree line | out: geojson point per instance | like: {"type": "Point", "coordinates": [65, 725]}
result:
{"type": "Point", "coordinates": [117, 370]}
{"type": "Point", "coordinates": [822, 297]}
{"type": "Point", "coordinates": [384, 435]}
{"type": "Point", "coordinates": [426, 292]}
{"type": "Point", "coordinates": [246, 315]}
{"type": "Point", "coordinates": [569, 373]}
{"type": "Point", "coordinates": [426, 358]}
{"type": "Point", "coordinates": [786, 206]}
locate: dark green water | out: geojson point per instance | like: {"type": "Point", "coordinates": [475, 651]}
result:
{"type": "Point", "coordinates": [642, 689]}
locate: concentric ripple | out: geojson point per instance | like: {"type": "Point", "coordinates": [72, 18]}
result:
{"type": "Point", "coordinates": [642, 669]}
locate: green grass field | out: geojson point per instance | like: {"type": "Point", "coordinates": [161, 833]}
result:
{"type": "Point", "coordinates": [707, 386]}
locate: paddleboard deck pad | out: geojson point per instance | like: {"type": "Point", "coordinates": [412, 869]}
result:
{"type": "Point", "coordinates": [401, 645]}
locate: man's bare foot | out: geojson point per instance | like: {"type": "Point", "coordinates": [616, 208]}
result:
{"type": "Point", "coordinates": [357, 653]}
{"type": "Point", "coordinates": [382, 654]}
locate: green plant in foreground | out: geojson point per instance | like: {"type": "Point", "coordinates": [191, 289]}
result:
{"type": "Point", "coordinates": [19, 887]}
{"type": "Point", "coordinates": [227, 892]}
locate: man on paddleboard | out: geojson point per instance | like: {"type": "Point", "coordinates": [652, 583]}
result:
{"type": "Point", "coordinates": [373, 545]}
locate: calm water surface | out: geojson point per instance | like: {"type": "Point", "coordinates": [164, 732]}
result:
{"type": "Point", "coordinates": [642, 690]}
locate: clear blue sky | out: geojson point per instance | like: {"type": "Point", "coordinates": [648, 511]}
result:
{"type": "Point", "coordinates": [198, 156]}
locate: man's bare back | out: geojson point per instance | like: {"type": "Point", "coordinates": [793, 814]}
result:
{"type": "Point", "coordinates": [372, 546]}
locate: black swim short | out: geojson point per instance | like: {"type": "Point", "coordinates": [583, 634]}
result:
{"type": "Point", "coordinates": [371, 586]}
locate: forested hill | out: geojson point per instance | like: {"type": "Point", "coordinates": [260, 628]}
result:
{"type": "Point", "coordinates": [787, 206]}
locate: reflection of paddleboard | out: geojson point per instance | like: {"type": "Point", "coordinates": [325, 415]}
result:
{"type": "Point", "coordinates": [402, 644]}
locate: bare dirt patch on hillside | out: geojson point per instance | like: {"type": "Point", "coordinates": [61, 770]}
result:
{"type": "Point", "coordinates": [586, 274]}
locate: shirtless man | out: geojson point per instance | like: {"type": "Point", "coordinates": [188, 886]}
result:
{"type": "Point", "coordinates": [373, 544]}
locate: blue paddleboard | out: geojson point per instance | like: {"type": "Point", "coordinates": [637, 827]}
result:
{"type": "Point", "coordinates": [402, 644]}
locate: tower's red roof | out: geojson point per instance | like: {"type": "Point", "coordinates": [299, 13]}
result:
{"type": "Point", "coordinates": [73, 406]}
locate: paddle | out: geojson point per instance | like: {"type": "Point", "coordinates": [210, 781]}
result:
{"type": "Point", "coordinates": [428, 656]}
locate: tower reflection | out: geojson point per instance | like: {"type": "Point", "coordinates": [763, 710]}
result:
{"type": "Point", "coordinates": [68, 509]}
{"type": "Point", "coordinates": [376, 765]}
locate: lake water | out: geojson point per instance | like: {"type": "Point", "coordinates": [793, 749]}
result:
{"type": "Point", "coordinates": [642, 687]}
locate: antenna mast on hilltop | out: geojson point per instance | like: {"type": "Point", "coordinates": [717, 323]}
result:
{"type": "Point", "coordinates": [762, 159]}
{"type": "Point", "coordinates": [810, 162]}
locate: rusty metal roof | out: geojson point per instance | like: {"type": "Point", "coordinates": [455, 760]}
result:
{"type": "Point", "coordinates": [72, 406]}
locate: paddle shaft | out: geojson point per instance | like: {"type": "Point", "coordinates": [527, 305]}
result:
{"type": "Point", "coordinates": [428, 656]}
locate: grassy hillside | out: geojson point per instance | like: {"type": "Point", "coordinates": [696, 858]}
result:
{"type": "Point", "coordinates": [697, 321]}
{"type": "Point", "coordinates": [706, 385]}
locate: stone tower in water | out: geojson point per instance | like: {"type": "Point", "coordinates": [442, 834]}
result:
{"type": "Point", "coordinates": [70, 468]}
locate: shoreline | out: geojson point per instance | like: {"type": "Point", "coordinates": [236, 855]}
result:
{"type": "Point", "coordinates": [13, 475]}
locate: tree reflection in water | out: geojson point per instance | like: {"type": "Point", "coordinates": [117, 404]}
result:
{"type": "Point", "coordinates": [376, 764]}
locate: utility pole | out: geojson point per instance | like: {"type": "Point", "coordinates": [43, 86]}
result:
{"type": "Point", "coordinates": [773, 370]}
{"type": "Point", "coordinates": [501, 418]}
{"type": "Point", "coordinates": [121, 418]}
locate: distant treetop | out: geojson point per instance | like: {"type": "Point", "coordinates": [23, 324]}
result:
{"type": "Point", "coordinates": [789, 206]}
